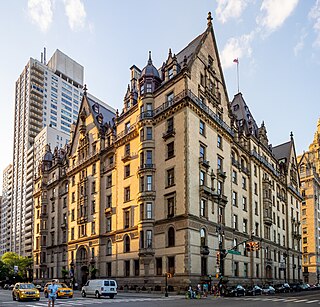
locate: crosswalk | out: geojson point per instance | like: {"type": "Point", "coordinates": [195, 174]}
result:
{"type": "Point", "coordinates": [90, 302]}
{"type": "Point", "coordinates": [279, 299]}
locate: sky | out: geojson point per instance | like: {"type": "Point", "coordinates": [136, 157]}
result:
{"type": "Point", "coordinates": [277, 44]}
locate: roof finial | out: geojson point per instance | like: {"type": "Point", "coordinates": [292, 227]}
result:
{"type": "Point", "coordinates": [150, 60]}
{"type": "Point", "coordinates": [209, 18]}
{"type": "Point", "coordinates": [291, 135]}
{"type": "Point", "coordinates": [170, 53]}
{"type": "Point", "coordinates": [85, 90]}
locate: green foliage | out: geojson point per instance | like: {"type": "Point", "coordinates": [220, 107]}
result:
{"type": "Point", "coordinates": [10, 260]}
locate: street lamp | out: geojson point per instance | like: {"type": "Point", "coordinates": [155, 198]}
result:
{"type": "Point", "coordinates": [166, 288]}
{"type": "Point", "coordinates": [285, 255]}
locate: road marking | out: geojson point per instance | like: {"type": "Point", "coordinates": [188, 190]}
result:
{"type": "Point", "coordinates": [314, 301]}
{"type": "Point", "coordinates": [300, 301]}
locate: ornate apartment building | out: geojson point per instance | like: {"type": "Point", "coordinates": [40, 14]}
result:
{"type": "Point", "coordinates": [309, 167]}
{"type": "Point", "coordinates": [178, 174]}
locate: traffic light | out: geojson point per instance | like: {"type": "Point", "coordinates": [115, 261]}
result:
{"type": "Point", "coordinates": [257, 245]}
{"type": "Point", "coordinates": [218, 258]}
{"type": "Point", "coordinates": [249, 246]}
{"type": "Point", "coordinates": [169, 275]}
{"type": "Point", "coordinates": [223, 254]}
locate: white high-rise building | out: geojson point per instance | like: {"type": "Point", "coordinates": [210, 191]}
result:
{"type": "Point", "coordinates": [5, 210]}
{"type": "Point", "coordinates": [45, 95]}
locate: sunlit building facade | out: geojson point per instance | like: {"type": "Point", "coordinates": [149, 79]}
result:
{"type": "Point", "coordinates": [178, 174]}
{"type": "Point", "coordinates": [309, 166]}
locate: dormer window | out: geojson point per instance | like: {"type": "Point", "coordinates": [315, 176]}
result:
{"type": "Point", "coordinates": [170, 73]}
{"type": "Point", "coordinates": [96, 108]}
{"type": "Point", "coordinates": [128, 104]}
{"type": "Point", "coordinates": [127, 127]}
{"type": "Point", "coordinates": [149, 87]}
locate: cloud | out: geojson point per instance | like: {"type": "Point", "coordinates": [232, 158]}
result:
{"type": "Point", "coordinates": [230, 9]}
{"type": "Point", "coordinates": [315, 14]}
{"type": "Point", "coordinates": [41, 13]}
{"type": "Point", "coordinates": [237, 47]}
{"type": "Point", "coordinates": [275, 12]}
{"type": "Point", "coordinates": [76, 14]}
{"type": "Point", "coordinates": [299, 46]}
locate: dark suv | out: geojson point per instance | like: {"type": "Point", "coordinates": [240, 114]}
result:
{"type": "Point", "coordinates": [282, 288]}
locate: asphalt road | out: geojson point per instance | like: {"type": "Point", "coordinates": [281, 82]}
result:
{"type": "Point", "coordinates": [311, 298]}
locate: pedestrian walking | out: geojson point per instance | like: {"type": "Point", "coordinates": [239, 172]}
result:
{"type": "Point", "coordinates": [52, 293]}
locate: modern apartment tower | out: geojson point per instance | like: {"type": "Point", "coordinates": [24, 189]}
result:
{"type": "Point", "coordinates": [46, 94]}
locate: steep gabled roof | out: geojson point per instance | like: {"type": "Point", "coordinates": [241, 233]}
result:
{"type": "Point", "coordinates": [190, 49]}
{"type": "Point", "coordinates": [282, 151]}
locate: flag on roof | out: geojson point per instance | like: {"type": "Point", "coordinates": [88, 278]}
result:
{"type": "Point", "coordinates": [236, 61]}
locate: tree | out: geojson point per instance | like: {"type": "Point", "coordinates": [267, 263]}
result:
{"type": "Point", "coordinates": [11, 259]}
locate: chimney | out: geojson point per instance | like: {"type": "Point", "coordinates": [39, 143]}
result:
{"type": "Point", "coordinates": [41, 57]}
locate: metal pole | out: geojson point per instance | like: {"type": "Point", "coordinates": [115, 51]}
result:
{"type": "Point", "coordinates": [166, 290]}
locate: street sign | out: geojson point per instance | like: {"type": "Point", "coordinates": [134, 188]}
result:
{"type": "Point", "coordinates": [231, 251]}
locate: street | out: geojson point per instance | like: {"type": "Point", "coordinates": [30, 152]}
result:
{"type": "Point", "coordinates": [312, 298]}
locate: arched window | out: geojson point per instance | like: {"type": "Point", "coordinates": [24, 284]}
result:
{"type": "Point", "coordinates": [171, 237]}
{"type": "Point", "coordinates": [203, 237]}
{"type": "Point", "coordinates": [127, 244]}
{"type": "Point", "coordinates": [109, 248]}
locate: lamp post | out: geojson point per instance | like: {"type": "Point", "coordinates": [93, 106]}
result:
{"type": "Point", "coordinates": [285, 266]}
{"type": "Point", "coordinates": [72, 273]}
{"type": "Point", "coordinates": [166, 289]}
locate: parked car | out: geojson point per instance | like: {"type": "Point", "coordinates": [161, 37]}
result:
{"type": "Point", "coordinates": [254, 290]}
{"type": "Point", "coordinates": [23, 291]}
{"type": "Point", "coordinates": [100, 287]}
{"type": "Point", "coordinates": [305, 287]}
{"type": "Point", "coordinates": [268, 290]}
{"type": "Point", "coordinates": [282, 288]}
{"type": "Point", "coordinates": [6, 287]}
{"type": "Point", "coordinates": [296, 287]}
{"type": "Point", "coordinates": [63, 290]}
{"type": "Point", "coordinates": [236, 291]}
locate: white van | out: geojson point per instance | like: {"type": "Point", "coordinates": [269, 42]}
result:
{"type": "Point", "coordinates": [100, 287]}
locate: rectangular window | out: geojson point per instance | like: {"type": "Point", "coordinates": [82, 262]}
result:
{"type": "Point", "coordinates": [171, 265]}
{"type": "Point", "coordinates": [93, 228]}
{"type": "Point", "coordinates": [170, 150]}
{"type": "Point", "coordinates": [170, 206]}
{"type": "Point", "coordinates": [202, 128]}
{"type": "Point", "coordinates": [149, 210]}
{"type": "Point", "coordinates": [159, 266]}
{"type": "Point", "coordinates": [255, 188]}
{"type": "Point", "coordinates": [236, 268]}
{"type": "Point", "coordinates": [202, 152]}
{"type": "Point", "coordinates": [108, 269]}
{"type": "Point", "coordinates": [149, 158]}
{"type": "Point", "coordinates": [203, 208]}
{"type": "Point", "coordinates": [109, 181]}
{"type": "Point", "coordinates": [256, 210]}
{"type": "Point", "coordinates": [202, 178]}
{"type": "Point", "coordinates": [170, 177]}
{"type": "Point", "coordinates": [149, 133]}
{"type": "Point", "coordinates": [136, 268]}
{"type": "Point", "coordinates": [109, 201]}
{"type": "Point", "coordinates": [235, 199]}
{"type": "Point", "coordinates": [127, 219]}
{"type": "Point", "coordinates": [127, 170]}
{"type": "Point", "coordinates": [127, 268]}
{"type": "Point", "coordinates": [244, 183]}
{"type": "Point", "coordinates": [245, 270]}
{"type": "Point", "coordinates": [93, 206]}
{"type": "Point", "coordinates": [108, 228]}
{"type": "Point", "coordinates": [219, 164]}
{"type": "Point", "coordinates": [127, 194]}
{"type": "Point", "coordinates": [235, 222]}
{"type": "Point", "coordinates": [234, 176]}
{"type": "Point", "coordinates": [149, 238]}
{"type": "Point", "coordinates": [149, 182]}
{"type": "Point", "coordinates": [170, 73]}
{"type": "Point", "coordinates": [170, 125]}
{"type": "Point", "coordinates": [219, 141]}
{"type": "Point", "coordinates": [127, 149]}
{"type": "Point", "coordinates": [170, 97]}
{"type": "Point", "coordinates": [245, 225]}
{"type": "Point", "coordinates": [244, 203]}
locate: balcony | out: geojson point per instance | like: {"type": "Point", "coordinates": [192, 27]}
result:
{"type": "Point", "coordinates": [296, 235]}
{"type": "Point", "coordinates": [108, 210]}
{"type": "Point", "coordinates": [129, 156]}
{"type": "Point", "coordinates": [169, 133]}
{"type": "Point", "coordinates": [267, 220]}
{"type": "Point", "coordinates": [147, 167]}
{"type": "Point", "coordinates": [82, 219]}
{"type": "Point", "coordinates": [205, 190]}
{"type": "Point", "coordinates": [146, 115]}
{"type": "Point", "coordinates": [220, 199]}
{"type": "Point", "coordinates": [221, 173]}
{"type": "Point", "coordinates": [146, 252]}
{"type": "Point", "coordinates": [146, 195]}
{"type": "Point", "coordinates": [204, 162]}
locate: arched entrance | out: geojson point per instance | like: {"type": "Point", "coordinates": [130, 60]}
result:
{"type": "Point", "coordinates": [82, 265]}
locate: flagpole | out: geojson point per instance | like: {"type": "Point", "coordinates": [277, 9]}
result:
{"type": "Point", "coordinates": [238, 76]}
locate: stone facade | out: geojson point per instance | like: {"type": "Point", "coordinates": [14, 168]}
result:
{"type": "Point", "coordinates": [309, 163]}
{"type": "Point", "coordinates": [180, 174]}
